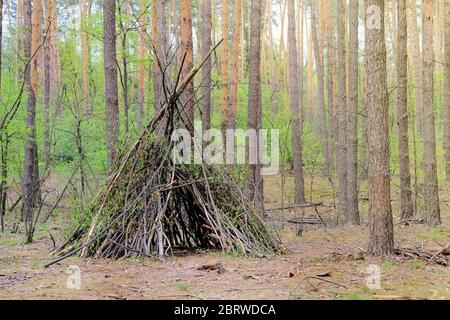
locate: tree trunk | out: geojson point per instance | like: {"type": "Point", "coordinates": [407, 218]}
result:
{"type": "Point", "coordinates": [331, 71]}
{"type": "Point", "coordinates": [447, 92]}
{"type": "Point", "coordinates": [141, 69]}
{"type": "Point", "coordinates": [55, 56]}
{"type": "Point", "coordinates": [124, 76]}
{"type": "Point", "coordinates": [255, 183]}
{"type": "Point", "coordinates": [417, 65]}
{"type": "Point", "coordinates": [30, 182]}
{"type": "Point", "coordinates": [295, 103]}
{"type": "Point", "coordinates": [187, 97]}
{"type": "Point", "coordinates": [300, 19]}
{"type": "Point", "coordinates": [381, 227]}
{"type": "Point", "coordinates": [274, 73]}
{"type": "Point", "coordinates": [310, 111]}
{"type": "Point", "coordinates": [160, 41]}
{"type": "Point", "coordinates": [1, 41]}
{"type": "Point", "coordinates": [234, 76]}
{"type": "Point", "coordinates": [224, 67]}
{"type": "Point", "coordinates": [320, 89]}
{"type": "Point", "coordinates": [4, 143]}
{"type": "Point", "coordinates": [341, 147]}
{"type": "Point", "coordinates": [20, 48]}
{"type": "Point", "coordinates": [111, 90]}
{"type": "Point", "coordinates": [281, 53]}
{"type": "Point", "coordinates": [206, 69]}
{"type": "Point", "coordinates": [2, 153]}
{"type": "Point", "coordinates": [85, 54]}
{"type": "Point", "coordinates": [363, 168]}
{"type": "Point", "coordinates": [431, 190]}
{"type": "Point", "coordinates": [352, 128]}
{"type": "Point", "coordinates": [406, 204]}
{"type": "Point", "coordinates": [47, 88]}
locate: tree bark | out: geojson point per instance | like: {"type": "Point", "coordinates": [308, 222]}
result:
{"type": "Point", "coordinates": [331, 84]}
{"type": "Point", "coordinates": [160, 41]}
{"type": "Point", "coordinates": [234, 76]}
{"type": "Point", "coordinates": [141, 69]}
{"type": "Point", "coordinates": [47, 87]}
{"type": "Point", "coordinates": [206, 17]}
{"type": "Point", "coordinates": [352, 128]}
{"type": "Point", "coordinates": [381, 227]}
{"type": "Point", "coordinates": [431, 190]}
{"type": "Point", "coordinates": [416, 63]}
{"type": "Point", "coordinates": [274, 72]}
{"type": "Point", "coordinates": [1, 41]}
{"type": "Point", "coordinates": [300, 53]}
{"type": "Point", "coordinates": [310, 111]}
{"type": "Point", "coordinates": [255, 183]}
{"type": "Point", "coordinates": [341, 147]}
{"type": "Point", "coordinates": [406, 204]}
{"type": "Point", "coordinates": [363, 167]}
{"type": "Point", "coordinates": [123, 11]}
{"type": "Point", "coordinates": [224, 67]}
{"type": "Point", "coordinates": [295, 107]}
{"type": "Point", "coordinates": [321, 112]}
{"type": "Point", "coordinates": [30, 182]}
{"type": "Point", "coordinates": [447, 91]}
{"type": "Point", "coordinates": [85, 54]}
{"type": "Point", "coordinates": [111, 90]}
{"type": "Point", "coordinates": [2, 137]}
{"type": "Point", "coordinates": [187, 97]}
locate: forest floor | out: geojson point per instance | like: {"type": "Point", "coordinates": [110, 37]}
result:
{"type": "Point", "coordinates": [321, 263]}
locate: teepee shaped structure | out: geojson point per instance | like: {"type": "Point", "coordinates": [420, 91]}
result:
{"type": "Point", "coordinates": [151, 206]}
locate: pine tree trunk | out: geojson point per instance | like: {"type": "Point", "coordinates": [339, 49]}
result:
{"type": "Point", "coordinates": [255, 183]}
{"type": "Point", "coordinates": [206, 17]}
{"type": "Point", "coordinates": [141, 69]}
{"type": "Point", "coordinates": [281, 50]}
{"type": "Point", "coordinates": [85, 54]}
{"type": "Point", "coordinates": [160, 40]}
{"type": "Point", "coordinates": [431, 190]}
{"type": "Point", "coordinates": [234, 76]}
{"type": "Point", "coordinates": [447, 91]}
{"type": "Point", "coordinates": [187, 97]}
{"type": "Point", "coordinates": [310, 110]}
{"type": "Point", "coordinates": [331, 71]}
{"type": "Point", "coordinates": [300, 68]}
{"type": "Point", "coordinates": [19, 40]}
{"type": "Point", "coordinates": [406, 204]}
{"type": "Point", "coordinates": [381, 227]}
{"type": "Point", "coordinates": [2, 135]}
{"type": "Point", "coordinates": [294, 104]}
{"type": "Point", "coordinates": [1, 41]}
{"type": "Point", "coordinates": [341, 147]}
{"type": "Point", "coordinates": [224, 67]}
{"type": "Point", "coordinates": [47, 87]}
{"type": "Point", "coordinates": [111, 90]}
{"type": "Point", "coordinates": [352, 127]}
{"type": "Point", "coordinates": [320, 88]}
{"type": "Point", "coordinates": [274, 72]}
{"type": "Point", "coordinates": [125, 64]}
{"type": "Point", "coordinates": [363, 167]}
{"type": "Point", "coordinates": [416, 64]}
{"type": "Point", "coordinates": [30, 182]}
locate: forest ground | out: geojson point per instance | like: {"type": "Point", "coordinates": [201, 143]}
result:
{"type": "Point", "coordinates": [333, 255]}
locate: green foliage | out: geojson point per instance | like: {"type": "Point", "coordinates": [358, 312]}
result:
{"type": "Point", "coordinates": [182, 286]}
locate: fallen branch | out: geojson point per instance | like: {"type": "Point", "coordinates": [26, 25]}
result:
{"type": "Point", "coordinates": [409, 253]}
{"type": "Point", "coordinates": [444, 251]}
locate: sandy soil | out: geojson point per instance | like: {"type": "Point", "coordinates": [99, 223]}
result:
{"type": "Point", "coordinates": [322, 263]}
